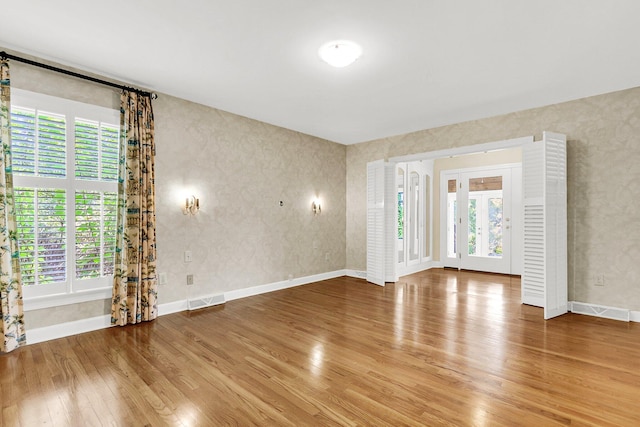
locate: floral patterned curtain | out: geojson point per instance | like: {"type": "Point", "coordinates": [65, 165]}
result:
{"type": "Point", "coordinates": [135, 287]}
{"type": "Point", "coordinates": [10, 278]}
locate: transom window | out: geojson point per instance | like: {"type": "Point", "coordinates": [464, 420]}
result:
{"type": "Point", "coordinates": [65, 169]}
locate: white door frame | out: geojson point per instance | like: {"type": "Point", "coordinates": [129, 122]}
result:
{"type": "Point", "coordinates": [556, 296]}
{"type": "Point", "coordinates": [511, 264]}
{"type": "Point", "coordinates": [415, 216]}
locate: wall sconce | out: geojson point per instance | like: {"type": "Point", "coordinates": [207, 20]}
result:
{"type": "Point", "coordinates": [315, 207]}
{"type": "Point", "coordinates": [191, 205]}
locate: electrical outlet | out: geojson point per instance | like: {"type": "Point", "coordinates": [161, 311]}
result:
{"type": "Point", "coordinates": [598, 280]}
{"type": "Point", "coordinates": [162, 279]}
{"type": "Point", "coordinates": [189, 279]}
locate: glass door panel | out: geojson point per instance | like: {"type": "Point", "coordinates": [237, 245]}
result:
{"type": "Point", "coordinates": [426, 241]}
{"type": "Point", "coordinates": [482, 194]}
{"type": "Point", "coordinates": [414, 217]}
{"type": "Point", "coordinates": [401, 215]}
{"type": "Point", "coordinates": [485, 210]}
{"type": "Point", "coordinates": [452, 219]}
{"type": "Point", "coordinates": [475, 229]}
{"type": "Point", "coordinates": [495, 226]}
{"type": "Point", "coordinates": [476, 233]}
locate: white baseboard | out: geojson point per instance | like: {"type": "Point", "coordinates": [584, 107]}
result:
{"type": "Point", "coordinates": [356, 274]}
{"type": "Point", "coordinates": [359, 274]}
{"type": "Point", "coordinates": [172, 307]}
{"type": "Point", "coordinates": [413, 269]}
{"type": "Point", "coordinates": [101, 322]}
{"type": "Point", "coordinates": [76, 327]}
{"type": "Point", "coordinates": [277, 286]}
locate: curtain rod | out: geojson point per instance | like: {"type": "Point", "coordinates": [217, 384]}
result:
{"type": "Point", "coordinates": [5, 55]}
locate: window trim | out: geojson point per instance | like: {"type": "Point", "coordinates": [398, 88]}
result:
{"type": "Point", "coordinates": [57, 300]}
{"type": "Point", "coordinates": [63, 293]}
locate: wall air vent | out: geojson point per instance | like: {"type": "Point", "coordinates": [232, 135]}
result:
{"type": "Point", "coordinates": [601, 311]}
{"type": "Point", "coordinates": [205, 301]}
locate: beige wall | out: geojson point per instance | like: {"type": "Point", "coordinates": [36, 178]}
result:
{"type": "Point", "coordinates": [603, 135]}
{"type": "Point", "coordinates": [240, 169]}
{"type": "Point", "coordinates": [513, 155]}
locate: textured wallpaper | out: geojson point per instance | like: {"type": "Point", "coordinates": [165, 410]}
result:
{"type": "Point", "coordinates": [603, 134]}
{"type": "Point", "coordinates": [241, 169]}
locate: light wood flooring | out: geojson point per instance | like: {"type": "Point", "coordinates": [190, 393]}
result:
{"type": "Point", "coordinates": [437, 348]}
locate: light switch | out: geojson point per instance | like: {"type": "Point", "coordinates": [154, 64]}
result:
{"type": "Point", "coordinates": [187, 256]}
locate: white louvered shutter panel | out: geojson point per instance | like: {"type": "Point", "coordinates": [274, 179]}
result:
{"type": "Point", "coordinates": [533, 269]}
{"type": "Point", "coordinates": [375, 222]}
{"type": "Point", "coordinates": [38, 143]}
{"type": "Point", "coordinates": [42, 231]}
{"type": "Point", "coordinates": [544, 278]}
{"type": "Point", "coordinates": [39, 150]}
{"type": "Point", "coordinates": [96, 151]}
{"type": "Point", "coordinates": [96, 159]}
{"type": "Point", "coordinates": [390, 223]}
{"type": "Point", "coordinates": [556, 290]}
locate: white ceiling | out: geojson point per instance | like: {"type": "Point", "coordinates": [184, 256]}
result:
{"type": "Point", "coordinates": [426, 63]}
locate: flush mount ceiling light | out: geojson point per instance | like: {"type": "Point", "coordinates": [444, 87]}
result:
{"type": "Point", "coordinates": [340, 53]}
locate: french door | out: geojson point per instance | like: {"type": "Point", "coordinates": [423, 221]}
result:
{"type": "Point", "coordinates": [479, 223]}
{"type": "Point", "coordinates": [410, 196]}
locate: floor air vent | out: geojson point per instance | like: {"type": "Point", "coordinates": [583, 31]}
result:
{"type": "Point", "coordinates": [601, 311]}
{"type": "Point", "coordinates": [207, 301]}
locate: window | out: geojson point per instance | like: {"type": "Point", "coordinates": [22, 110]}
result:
{"type": "Point", "coordinates": [65, 168]}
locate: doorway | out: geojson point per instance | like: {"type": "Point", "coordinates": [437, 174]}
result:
{"type": "Point", "coordinates": [413, 195]}
{"type": "Point", "coordinates": [480, 218]}
{"type": "Point", "coordinates": [543, 217]}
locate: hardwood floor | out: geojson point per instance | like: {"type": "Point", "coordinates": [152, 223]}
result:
{"type": "Point", "coordinates": [437, 348]}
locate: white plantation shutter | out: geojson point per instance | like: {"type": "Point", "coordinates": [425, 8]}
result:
{"type": "Point", "coordinates": [65, 164]}
{"type": "Point", "coordinates": [38, 143]}
{"type": "Point", "coordinates": [88, 227]}
{"type": "Point", "coordinates": [52, 153]}
{"type": "Point", "coordinates": [42, 235]}
{"type": "Point", "coordinates": [96, 150]}
{"type": "Point", "coordinates": [110, 136]}
{"type": "Point", "coordinates": [544, 279]}
{"type": "Point", "coordinates": [23, 136]}
{"type": "Point", "coordinates": [556, 293]}
{"type": "Point", "coordinates": [533, 274]}
{"type": "Point", "coordinates": [95, 233]}
{"type": "Point", "coordinates": [109, 212]}
{"type": "Point", "coordinates": [26, 220]}
{"type": "Point", "coordinates": [375, 222]}
{"type": "Point", "coordinates": [390, 223]}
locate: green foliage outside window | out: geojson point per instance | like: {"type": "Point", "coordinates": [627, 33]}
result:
{"type": "Point", "coordinates": [495, 226]}
{"type": "Point", "coordinates": [472, 227]}
{"type": "Point", "coordinates": [39, 149]}
{"type": "Point", "coordinates": [400, 215]}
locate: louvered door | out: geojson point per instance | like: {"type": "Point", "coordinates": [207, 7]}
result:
{"type": "Point", "coordinates": [375, 222]}
{"type": "Point", "coordinates": [544, 278]}
{"type": "Point", "coordinates": [390, 223]}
